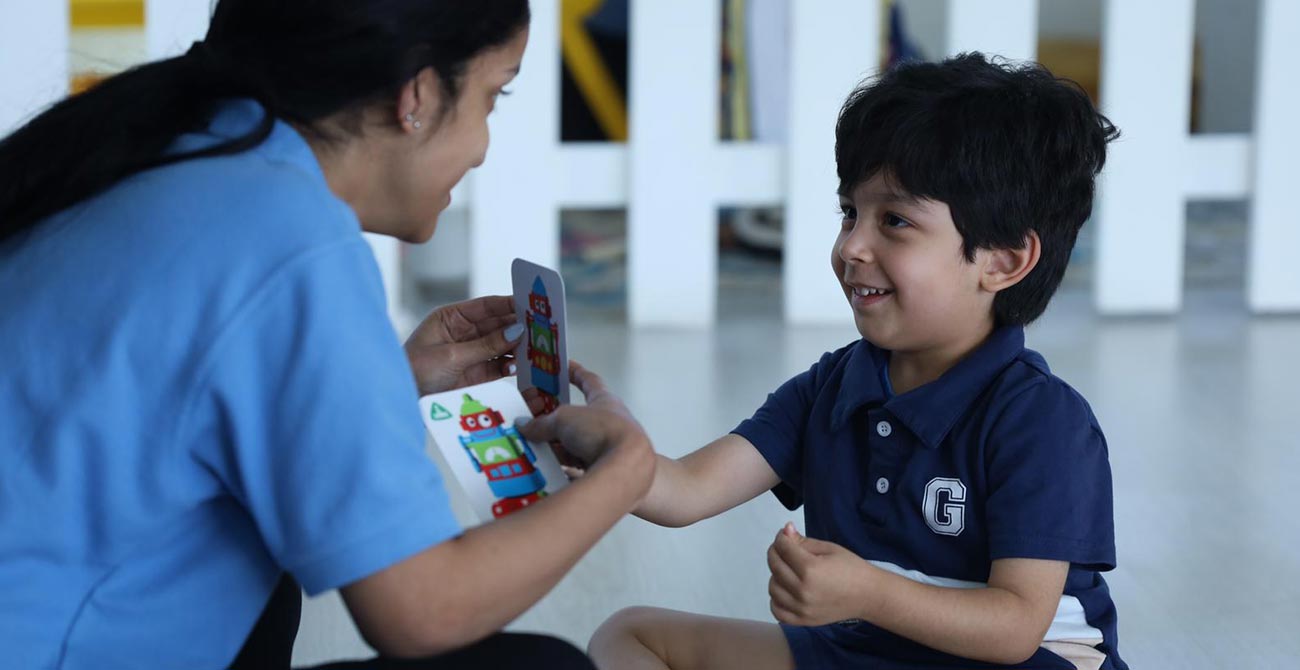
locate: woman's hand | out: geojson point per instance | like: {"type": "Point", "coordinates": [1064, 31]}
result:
{"type": "Point", "coordinates": [463, 344]}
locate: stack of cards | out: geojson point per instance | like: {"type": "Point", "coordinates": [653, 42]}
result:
{"type": "Point", "coordinates": [473, 427]}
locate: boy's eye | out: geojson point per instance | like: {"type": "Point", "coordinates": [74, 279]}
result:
{"type": "Point", "coordinates": [849, 212]}
{"type": "Point", "coordinates": [895, 221]}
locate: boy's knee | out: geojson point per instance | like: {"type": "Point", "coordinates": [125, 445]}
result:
{"type": "Point", "coordinates": [626, 625]}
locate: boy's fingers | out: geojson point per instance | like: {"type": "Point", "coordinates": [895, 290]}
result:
{"type": "Point", "coordinates": [782, 614]}
{"type": "Point", "coordinates": [535, 399]}
{"type": "Point", "coordinates": [790, 551]}
{"type": "Point", "coordinates": [781, 596]}
{"type": "Point", "coordinates": [539, 429]}
{"type": "Point", "coordinates": [587, 381]}
{"type": "Point", "coordinates": [781, 571]}
{"type": "Point", "coordinates": [818, 547]}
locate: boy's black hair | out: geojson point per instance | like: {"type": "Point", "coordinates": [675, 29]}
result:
{"type": "Point", "coordinates": [1009, 148]}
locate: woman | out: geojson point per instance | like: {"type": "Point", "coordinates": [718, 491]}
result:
{"type": "Point", "coordinates": [201, 390]}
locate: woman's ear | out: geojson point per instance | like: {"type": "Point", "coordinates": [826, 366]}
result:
{"type": "Point", "coordinates": [418, 101]}
{"type": "Point", "coordinates": [1004, 268]}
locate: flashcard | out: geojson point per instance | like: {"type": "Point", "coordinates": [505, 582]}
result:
{"type": "Point", "coordinates": [499, 471]}
{"type": "Point", "coordinates": [543, 356]}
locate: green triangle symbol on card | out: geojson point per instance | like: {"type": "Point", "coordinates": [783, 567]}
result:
{"type": "Point", "coordinates": [438, 412]}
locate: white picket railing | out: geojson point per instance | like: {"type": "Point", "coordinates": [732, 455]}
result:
{"type": "Point", "coordinates": [674, 173]}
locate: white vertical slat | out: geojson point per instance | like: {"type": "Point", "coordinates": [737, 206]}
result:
{"type": "Point", "coordinates": [171, 26]}
{"type": "Point", "coordinates": [674, 67]}
{"type": "Point", "coordinates": [1218, 166]}
{"type": "Point", "coordinates": [833, 45]}
{"type": "Point", "coordinates": [1273, 281]}
{"type": "Point", "coordinates": [1006, 28]}
{"type": "Point", "coordinates": [33, 59]}
{"type": "Point", "coordinates": [1145, 90]}
{"type": "Point", "coordinates": [514, 209]}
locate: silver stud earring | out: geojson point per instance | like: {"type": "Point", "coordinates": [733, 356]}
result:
{"type": "Point", "coordinates": [410, 118]}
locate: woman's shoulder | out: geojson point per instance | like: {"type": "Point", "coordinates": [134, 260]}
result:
{"type": "Point", "coordinates": [275, 191]}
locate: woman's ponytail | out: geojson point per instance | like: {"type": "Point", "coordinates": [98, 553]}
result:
{"type": "Point", "coordinates": [303, 60]}
{"type": "Point", "coordinates": [88, 142]}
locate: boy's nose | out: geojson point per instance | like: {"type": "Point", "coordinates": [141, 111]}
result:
{"type": "Point", "coordinates": [859, 245]}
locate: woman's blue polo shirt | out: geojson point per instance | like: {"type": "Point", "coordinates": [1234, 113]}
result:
{"type": "Point", "coordinates": [201, 389]}
{"type": "Point", "coordinates": [996, 459]}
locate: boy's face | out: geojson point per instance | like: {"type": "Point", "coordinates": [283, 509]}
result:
{"type": "Point", "coordinates": [899, 260]}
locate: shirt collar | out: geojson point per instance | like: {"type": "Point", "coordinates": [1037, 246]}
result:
{"type": "Point", "coordinates": [931, 410]}
{"type": "Point", "coordinates": [860, 385]}
{"type": "Point", "coordinates": [235, 117]}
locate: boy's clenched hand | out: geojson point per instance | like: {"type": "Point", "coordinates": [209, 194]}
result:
{"type": "Point", "coordinates": [815, 582]}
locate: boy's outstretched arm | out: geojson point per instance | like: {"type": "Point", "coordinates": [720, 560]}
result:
{"type": "Point", "coordinates": [815, 582]}
{"type": "Point", "coordinates": [704, 483]}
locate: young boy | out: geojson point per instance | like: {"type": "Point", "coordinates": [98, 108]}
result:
{"type": "Point", "coordinates": [957, 495]}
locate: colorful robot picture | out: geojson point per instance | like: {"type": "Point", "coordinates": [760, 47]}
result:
{"type": "Point", "coordinates": [498, 451]}
{"type": "Point", "coordinates": [543, 336]}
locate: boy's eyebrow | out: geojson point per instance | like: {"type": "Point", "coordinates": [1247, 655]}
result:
{"type": "Point", "coordinates": [886, 197]}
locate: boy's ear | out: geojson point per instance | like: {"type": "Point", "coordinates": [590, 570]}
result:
{"type": "Point", "coordinates": [1004, 268]}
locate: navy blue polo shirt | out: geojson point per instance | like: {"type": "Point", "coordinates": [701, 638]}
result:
{"type": "Point", "coordinates": [996, 459]}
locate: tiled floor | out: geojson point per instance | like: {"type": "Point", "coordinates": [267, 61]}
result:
{"type": "Point", "coordinates": [1202, 413]}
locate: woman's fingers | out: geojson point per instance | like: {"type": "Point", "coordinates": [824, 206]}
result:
{"type": "Point", "coordinates": [487, 371]}
{"type": "Point", "coordinates": [479, 312]}
{"type": "Point", "coordinates": [493, 345]}
{"type": "Point", "coordinates": [464, 321]}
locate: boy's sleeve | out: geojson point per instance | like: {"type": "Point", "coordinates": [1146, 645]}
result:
{"type": "Point", "coordinates": [321, 437]}
{"type": "Point", "coordinates": [777, 431]}
{"type": "Point", "coordinates": [1049, 481]}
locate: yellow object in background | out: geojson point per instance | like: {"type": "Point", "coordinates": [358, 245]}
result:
{"type": "Point", "coordinates": [106, 13]}
{"type": "Point", "coordinates": [106, 37]}
{"type": "Point", "coordinates": [589, 71]}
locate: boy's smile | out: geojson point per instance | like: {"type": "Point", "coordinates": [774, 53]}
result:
{"type": "Point", "coordinates": [899, 261]}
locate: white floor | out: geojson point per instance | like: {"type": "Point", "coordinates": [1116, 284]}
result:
{"type": "Point", "coordinates": [1202, 413]}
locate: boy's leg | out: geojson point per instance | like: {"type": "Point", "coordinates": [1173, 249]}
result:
{"type": "Point", "coordinates": [642, 638]}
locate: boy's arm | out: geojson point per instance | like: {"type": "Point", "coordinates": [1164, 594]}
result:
{"type": "Point", "coordinates": [706, 482]}
{"type": "Point", "coordinates": [1003, 623]}
{"type": "Point", "coordinates": [815, 582]}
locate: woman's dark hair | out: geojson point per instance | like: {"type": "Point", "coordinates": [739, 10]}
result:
{"type": "Point", "coordinates": [1009, 148]}
{"type": "Point", "coordinates": [303, 60]}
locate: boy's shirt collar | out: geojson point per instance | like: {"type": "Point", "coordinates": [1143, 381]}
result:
{"type": "Point", "coordinates": [931, 410]}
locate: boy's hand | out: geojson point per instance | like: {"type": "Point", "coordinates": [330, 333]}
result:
{"type": "Point", "coordinates": [815, 582]}
{"type": "Point", "coordinates": [597, 395]}
{"type": "Point", "coordinates": [587, 433]}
